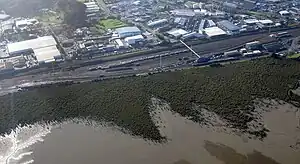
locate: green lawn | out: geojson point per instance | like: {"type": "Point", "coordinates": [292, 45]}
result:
{"type": "Point", "coordinates": [110, 24]}
{"type": "Point", "coordinates": [294, 56]}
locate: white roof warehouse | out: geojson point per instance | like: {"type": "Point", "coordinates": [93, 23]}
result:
{"type": "Point", "coordinates": [44, 48]}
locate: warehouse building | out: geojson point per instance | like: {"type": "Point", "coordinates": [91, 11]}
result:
{"type": "Point", "coordinates": [192, 35]}
{"type": "Point", "coordinates": [255, 45]}
{"type": "Point", "coordinates": [7, 26]}
{"type": "Point", "coordinates": [229, 27]}
{"type": "Point", "coordinates": [266, 23]}
{"type": "Point", "coordinates": [44, 49]}
{"type": "Point", "coordinates": [157, 23]}
{"type": "Point", "coordinates": [134, 39]}
{"type": "Point", "coordinates": [4, 17]}
{"type": "Point", "coordinates": [251, 22]}
{"type": "Point", "coordinates": [25, 23]}
{"type": "Point", "coordinates": [214, 32]}
{"type": "Point", "coordinates": [128, 31]}
{"type": "Point", "coordinates": [119, 43]}
{"type": "Point", "coordinates": [92, 10]}
{"type": "Point", "coordinates": [177, 33]}
{"type": "Point", "coordinates": [180, 21]}
{"type": "Point", "coordinates": [183, 13]}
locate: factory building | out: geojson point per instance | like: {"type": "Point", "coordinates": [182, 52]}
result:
{"type": "Point", "coordinates": [202, 25]}
{"type": "Point", "coordinates": [134, 39]}
{"type": "Point", "coordinates": [180, 21]}
{"type": "Point", "coordinates": [128, 31]}
{"type": "Point", "coordinates": [229, 27]}
{"type": "Point", "coordinates": [4, 17]}
{"type": "Point", "coordinates": [119, 43]}
{"type": "Point", "coordinates": [92, 11]}
{"type": "Point", "coordinates": [183, 13]}
{"type": "Point", "coordinates": [211, 23]}
{"type": "Point", "coordinates": [43, 48]}
{"type": "Point", "coordinates": [266, 23]}
{"type": "Point", "coordinates": [25, 23]}
{"type": "Point", "coordinates": [157, 23]}
{"type": "Point", "coordinates": [214, 32]}
{"type": "Point", "coordinates": [6, 26]}
{"type": "Point", "coordinates": [251, 22]}
{"type": "Point", "coordinates": [284, 13]}
{"type": "Point", "coordinates": [177, 33]}
{"type": "Point", "coordinates": [256, 45]}
{"type": "Point", "coordinates": [229, 7]}
{"type": "Point", "coordinates": [192, 35]}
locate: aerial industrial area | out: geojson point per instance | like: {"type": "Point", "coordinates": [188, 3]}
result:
{"type": "Point", "coordinates": [158, 81]}
{"type": "Point", "coordinates": [120, 37]}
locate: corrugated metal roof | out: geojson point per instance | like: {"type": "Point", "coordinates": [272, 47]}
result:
{"type": "Point", "coordinates": [4, 16]}
{"type": "Point", "coordinates": [132, 29]}
{"type": "Point", "coordinates": [46, 54]}
{"type": "Point", "coordinates": [40, 42]}
{"type": "Point", "coordinates": [214, 31]}
{"type": "Point", "coordinates": [177, 32]}
{"type": "Point", "coordinates": [157, 22]}
{"type": "Point", "coordinates": [228, 25]}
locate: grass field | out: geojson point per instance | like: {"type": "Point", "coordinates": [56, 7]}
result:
{"type": "Point", "coordinates": [294, 56]}
{"type": "Point", "coordinates": [110, 24]}
{"type": "Point", "coordinates": [229, 91]}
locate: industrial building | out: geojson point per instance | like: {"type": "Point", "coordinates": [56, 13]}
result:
{"type": "Point", "coordinates": [177, 33]}
{"type": "Point", "coordinates": [4, 17]}
{"type": "Point", "coordinates": [6, 26]}
{"type": "Point", "coordinates": [192, 35]}
{"type": "Point", "coordinates": [256, 45]}
{"type": "Point", "coordinates": [229, 7]}
{"type": "Point", "coordinates": [284, 13]}
{"type": "Point", "coordinates": [44, 49]}
{"type": "Point", "coordinates": [128, 31]}
{"type": "Point", "coordinates": [183, 12]}
{"type": "Point", "coordinates": [119, 43]}
{"type": "Point", "coordinates": [266, 23]}
{"type": "Point", "coordinates": [202, 25]}
{"type": "Point", "coordinates": [157, 23]}
{"type": "Point", "coordinates": [134, 39]}
{"type": "Point", "coordinates": [229, 27]}
{"type": "Point", "coordinates": [92, 11]}
{"type": "Point", "coordinates": [251, 22]}
{"type": "Point", "coordinates": [214, 32]}
{"type": "Point", "coordinates": [24, 23]}
{"type": "Point", "coordinates": [180, 21]}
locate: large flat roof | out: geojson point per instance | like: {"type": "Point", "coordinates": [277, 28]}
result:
{"type": "Point", "coordinates": [214, 31]}
{"type": "Point", "coordinates": [228, 25]}
{"type": "Point", "coordinates": [127, 29]}
{"type": "Point", "coordinates": [177, 32]}
{"type": "Point", "coordinates": [4, 16]}
{"type": "Point", "coordinates": [266, 21]}
{"type": "Point", "coordinates": [32, 44]}
{"type": "Point", "coordinates": [183, 12]}
{"type": "Point", "coordinates": [46, 54]}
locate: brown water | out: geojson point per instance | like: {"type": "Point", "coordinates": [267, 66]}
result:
{"type": "Point", "coordinates": [188, 143]}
